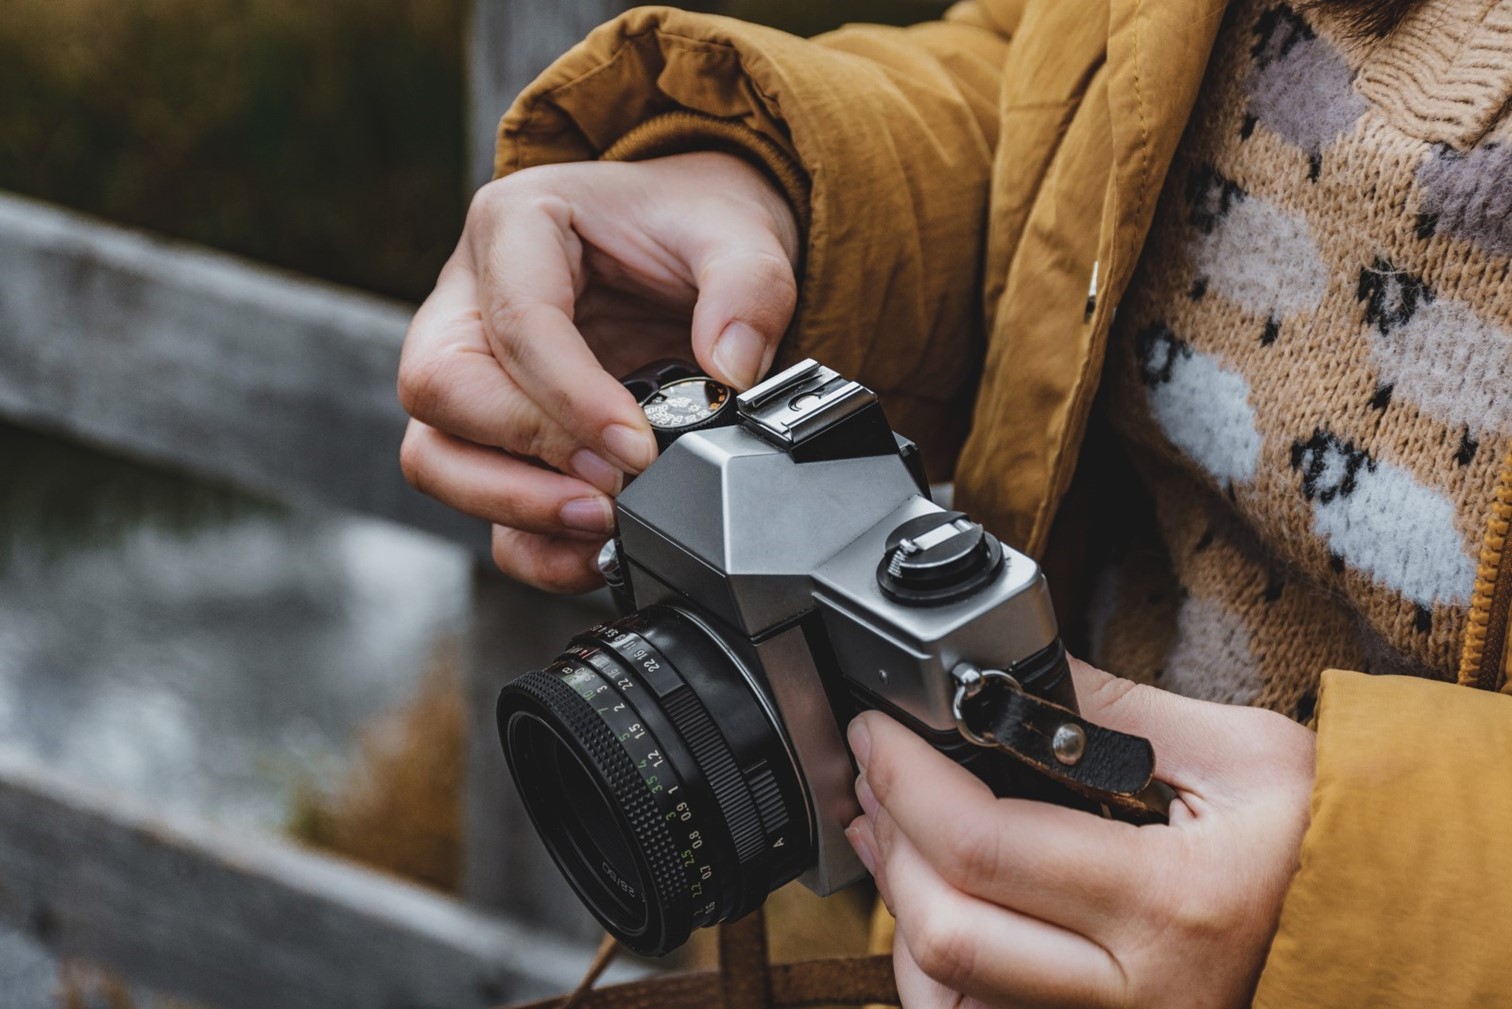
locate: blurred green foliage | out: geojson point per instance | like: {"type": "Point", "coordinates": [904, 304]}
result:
{"type": "Point", "coordinates": [323, 137]}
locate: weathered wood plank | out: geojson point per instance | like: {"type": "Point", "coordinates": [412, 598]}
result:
{"type": "Point", "coordinates": [220, 367]}
{"type": "Point", "coordinates": [247, 922]}
{"type": "Point", "coordinates": [514, 628]}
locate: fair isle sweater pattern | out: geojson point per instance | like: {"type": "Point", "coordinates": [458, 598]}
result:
{"type": "Point", "coordinates": [1309, 367]}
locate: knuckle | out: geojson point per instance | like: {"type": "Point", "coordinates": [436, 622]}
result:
{"type": "Point", "coordinates": [564, 584]}
{"type": "Point", "coordinates": [492, 198]}
{"type": "Point", "coordinates": [563, 575]}
{"type": "Point", "coordinates": [510, 321]}
{"type": "Point", "coordinates": [535, 188]}
{"type": "Point", "coordinates": [557, 411]}
{"type": "Point", "coordinates": [572, 413]}
{"type": "Point", "coordinates": [1118, 694]}
{"type": "Point", "coordinates": [534, 179]}
{"type": "Point", "coordinates": [537, 561]}
{"type": "Point", "coordinates": [412, 458]}
{"type": "Point", "coordinates": [506, 553]}
{"type": "Point", "coordinates": [529, 435]}
{"type": "Point", "coordinates": [486, 204]}
{"type": "Point", "coordinates": [881, 774]}
{"type": "Point", "coordinates": [565, 404]}
{"type": "Point", "coordinates": [1198, 922]}
{"type": "Point", "coordinates": [775, 274]}
{"type": "Point", "coordinates": [548, 203]}
{"type": "Point", "coordinates": [942, 948]}
{"type": "Point", "coordinates": [422, 384]}
{"type": "Point", "coordinates": [884, 828]}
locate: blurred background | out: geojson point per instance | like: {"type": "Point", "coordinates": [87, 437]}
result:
{"type": "Point", "coordinates": [202, 625]}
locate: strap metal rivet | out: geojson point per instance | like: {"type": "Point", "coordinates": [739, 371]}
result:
{"type": "Point", "coordinates": [1069, 743]}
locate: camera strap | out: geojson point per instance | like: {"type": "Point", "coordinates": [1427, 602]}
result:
{"type": "Point", "coordinates": [1114, 769]}
{"type": "Point", "coordinates": [745, 979]}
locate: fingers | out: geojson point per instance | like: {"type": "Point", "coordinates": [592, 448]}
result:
{"type": "Point", "coordinates": [529, 272]}
{"type": "Point", "coordinates": [500, 488]}
{"type": "Point", "coordinates": [917, 990]}
{"type": "Point", "coordinates": [1199, 745]}
{"type": "Point", "coordinates": [734, 233]}
{"type": "Point", "coordinates": [553, 563]}
{"type": "Point", "coordinates": [746, 296]}
{"type": "Point", "coordinates": [450, 380]}
{"type": "Point", "coordinates": [1061, 865]}
{"type": "Point", "coordinates": [984, 951]}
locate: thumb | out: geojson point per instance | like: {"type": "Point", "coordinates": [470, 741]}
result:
{"type": "Point", "coordinates": [746, 296]}
{"type": "Point", "coordinates": [1196, 742]}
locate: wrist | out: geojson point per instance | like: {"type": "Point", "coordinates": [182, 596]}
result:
{"type": "Point", "coordinates": [781, 182]}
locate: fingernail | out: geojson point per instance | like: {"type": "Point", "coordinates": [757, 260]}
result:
{"type": "Point", "coordinates": [634, 449]}
{"type": "Point", "coordinates": [738, 352]}
{"type": "Point", "coordinates": [590, 514]}
{"type": "Point", "coordinates": [866, 796]}
{"type": "Point", "coordinates": [860, 741]}
{"type": "Point", "coordinates": [590, 466]}
{"type": "Point", "coordinates": [857, 838]}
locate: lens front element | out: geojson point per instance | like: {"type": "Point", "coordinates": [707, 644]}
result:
{"type": "Point", "coordinates": [657, 778]}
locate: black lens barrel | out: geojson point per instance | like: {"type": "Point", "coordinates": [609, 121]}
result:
{"type": "Point", "coordinates": [687, 808]}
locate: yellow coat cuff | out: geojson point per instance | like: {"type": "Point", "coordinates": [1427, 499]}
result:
{"type": "Point", "coordinates": [1401, 899]}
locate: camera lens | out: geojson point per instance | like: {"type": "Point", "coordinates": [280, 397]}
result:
{"type": "Point", "coordinates": [654, 768]}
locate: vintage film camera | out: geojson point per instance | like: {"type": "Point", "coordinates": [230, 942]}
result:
{"type": "Point", "coordinates": [782, 567]}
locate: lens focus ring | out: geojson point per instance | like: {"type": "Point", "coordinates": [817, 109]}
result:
{"type": "Point", "coordinates": [699, 734]}
{"type": "Point", "coordinates": [648, 751]}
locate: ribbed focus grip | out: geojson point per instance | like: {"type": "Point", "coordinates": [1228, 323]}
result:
{"type": "Point", "coordinates": [713, 755]}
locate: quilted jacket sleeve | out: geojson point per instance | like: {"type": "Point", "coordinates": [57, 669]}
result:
{"type": "Point", "coordinates": [1400, 900]}
{"type": "Point", "coordinates": [883, 140]}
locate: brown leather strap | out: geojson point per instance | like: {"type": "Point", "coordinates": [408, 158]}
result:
{"type": "Point", "coordinates": [853, 980]}
{"type": "Point", "coordinates": [743, 963]}
{"type": "Point", "coordinates": [607, 951]}
{"type": "Point", "coordinates": [1114, 768]}
{"type": "Point", "coordinates": [744, 980]}
{"type": "Point", "coordinates": [849, 980]}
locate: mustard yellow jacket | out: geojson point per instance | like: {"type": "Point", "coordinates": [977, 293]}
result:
{"type": "Point", "coordinates": [960, 185]}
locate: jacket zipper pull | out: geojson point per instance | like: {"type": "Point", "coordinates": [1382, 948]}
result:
{"type": "Point", "coordinates": [1092, 293]}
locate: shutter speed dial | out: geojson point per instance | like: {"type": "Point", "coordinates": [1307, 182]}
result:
{"type": "Point", "coordinates": [937, 559]}
{"type": "Point", "coordinates": [688, 404]}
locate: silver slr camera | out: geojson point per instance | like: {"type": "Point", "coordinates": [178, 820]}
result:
{"type": "Point", "coordinates": [781, 567]}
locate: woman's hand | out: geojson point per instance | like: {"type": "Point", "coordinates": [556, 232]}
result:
{"type": "Point", "coordinates": [1006, 902]}
{"type": "Point", "coordinates": [566, 276]}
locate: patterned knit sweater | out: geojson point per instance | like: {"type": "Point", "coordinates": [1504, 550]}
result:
{"type": "Point", "coordinates": [1311, 367]}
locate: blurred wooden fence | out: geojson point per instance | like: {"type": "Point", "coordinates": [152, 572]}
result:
{"type": "Point", "coordinates": [284, 386]}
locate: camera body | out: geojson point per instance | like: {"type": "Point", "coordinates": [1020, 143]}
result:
{"type": "Point", "coordinates": [777, 531]}
{"type": "Point", "coordinates": [780, 568]}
